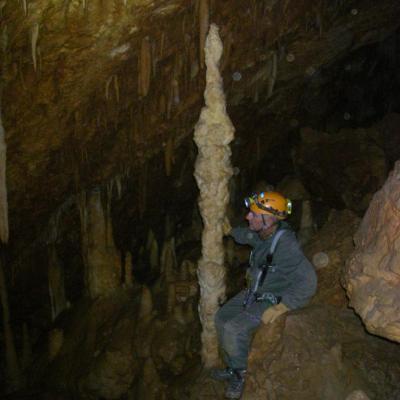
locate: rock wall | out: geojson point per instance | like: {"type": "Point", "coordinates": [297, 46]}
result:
{"type": "Point", "coordinates": [372, 277]}
{"type": "Point", "coordinates": [342, 169]}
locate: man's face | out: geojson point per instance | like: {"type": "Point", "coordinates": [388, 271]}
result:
{"type": "Point", "coordinates": [257, 222]}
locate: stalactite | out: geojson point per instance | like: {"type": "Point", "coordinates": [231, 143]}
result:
{"type": "Point", "coordinates": [145, 66]}
{"type": "Point", "coordinates": [169, 155]}
{"type": "Point", "coordinates": [213, 133]}
{"type": "Point", "coordinates": [107, 88]}
{"type": "Point", "coordinates": [203, 27]}
{"type": "Point", "coordinates": [175, 91]}
{"type": "Point", "coordinates": [3, 184]}
{"type": "Point", "coordinates": [170, 102]}
{"type": "Point", "coordinates": [153, 59]}
{"type": "Point", "coordinates": [25, 7]}
{"type": "Point", "coordinates": [116, 87]}
{"type": "Point", "coordinates": [162, 46]}
{"type": "Point", "coordinates": [118, 184]}
{"type": "Point", "coordinates": [272, 76]}
{"type": "Point", "coordinates": [34, 39]}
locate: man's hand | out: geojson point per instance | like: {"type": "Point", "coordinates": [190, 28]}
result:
{"type": "Point", "coordinates": [272, 313]}
{"type": "Point", "coordinates": [226, 227]}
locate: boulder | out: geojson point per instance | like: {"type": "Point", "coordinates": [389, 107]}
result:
{"type": "Point", "coordinates": [372, 276]}
{"type": "Point", "coordinates": [320, 353]}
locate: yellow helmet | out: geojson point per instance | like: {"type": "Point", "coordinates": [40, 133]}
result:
{"type": "Point", "coordinates": [270, 203]}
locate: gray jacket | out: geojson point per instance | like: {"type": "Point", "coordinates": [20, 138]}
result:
{"type": "Point", "coordinates": [292, 277]}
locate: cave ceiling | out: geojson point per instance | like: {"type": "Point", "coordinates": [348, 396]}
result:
{"type": "Point", "coordinates": [95, 90]}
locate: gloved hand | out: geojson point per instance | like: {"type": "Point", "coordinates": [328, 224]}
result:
{"type": "Point", "coordinates": [272, 313]}
{"type": "Point", "coordinates": [226, 227]}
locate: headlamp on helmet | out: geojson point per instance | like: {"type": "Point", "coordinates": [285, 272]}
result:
{"type": "Point", "coordinates": [270, 203]}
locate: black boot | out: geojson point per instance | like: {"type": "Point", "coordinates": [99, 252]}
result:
{"type": "Point", "coordinates": [236, 384]}
{"type": "Point", "coordinates": [222, 374]}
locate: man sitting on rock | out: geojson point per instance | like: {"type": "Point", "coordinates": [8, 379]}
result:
{"type": "Point", "coordinates": [280, 278]}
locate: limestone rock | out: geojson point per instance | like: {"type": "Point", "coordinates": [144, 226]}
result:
{"type": "Point", "coordinates": [372, 276]}
{"type": "Point", "coordinates": [320, 352]}
{"type": "Point", "coordinates": [97, 357]}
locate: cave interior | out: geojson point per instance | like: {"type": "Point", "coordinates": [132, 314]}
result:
{"type": "Point", "coordinates": [99, 223]}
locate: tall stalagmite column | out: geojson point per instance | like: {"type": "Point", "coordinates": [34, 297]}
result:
{"type": "Point", "coordinates": [101, 258]}
{"type": "Point", "coordinates": [213, 133]}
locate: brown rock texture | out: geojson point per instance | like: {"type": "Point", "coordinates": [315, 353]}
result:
{"type": "Point", "coordinates": [320, 353]}
{"type": "Point", "coordinates": [372, 275]}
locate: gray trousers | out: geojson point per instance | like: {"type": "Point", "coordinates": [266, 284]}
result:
{"type": "Point", "coordinates": [235, 328]}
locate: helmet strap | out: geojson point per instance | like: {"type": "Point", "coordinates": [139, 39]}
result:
{"type": "Point", "coordinates": [267, 229]}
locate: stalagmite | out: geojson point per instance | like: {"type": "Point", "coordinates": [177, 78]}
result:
{"type": "Point", "coordinates": [213, 133]}
{"type": "Point", "coordinates": [152, 250]}
{"type": "Point", "coordinates": [168, 260]}
{"type": "Point", "coordinates": [3, 185]}
{"type": "Point", "coordinates": [116, 87]}
{"type": "Point", "coordinates": [101, 258]}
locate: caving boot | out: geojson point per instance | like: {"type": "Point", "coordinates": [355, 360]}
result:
{"type": "Point", "coordinates": [222, 374]}
{"type": "Point", "coordinates": [236, 384]}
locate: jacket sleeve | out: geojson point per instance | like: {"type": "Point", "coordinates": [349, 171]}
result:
{"type": "Point", "coordinates": [243, 235]}
{"type": "Point", "coordinates": [297, 270]}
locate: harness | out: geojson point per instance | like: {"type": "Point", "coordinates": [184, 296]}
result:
{"type": "Point", "coordinates": [252, 294]}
